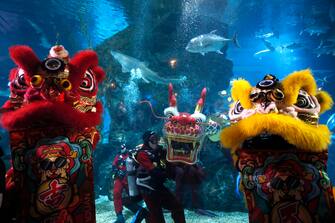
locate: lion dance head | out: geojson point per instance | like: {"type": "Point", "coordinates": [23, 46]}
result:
{"type": "Point", "coordinates": [280, 149]}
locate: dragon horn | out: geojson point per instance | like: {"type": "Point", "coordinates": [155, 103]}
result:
{"type": "Point", "coordinates": [172, 97]}
{"type": "Point", "coordinates": [201, 101]}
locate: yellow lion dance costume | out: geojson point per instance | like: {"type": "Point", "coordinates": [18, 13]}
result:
{"type": "Point", "coordinates": [280, 149]}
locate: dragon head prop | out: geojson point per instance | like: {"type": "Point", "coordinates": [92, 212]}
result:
{"type": "Point", "coordinates": [280, 149]}
{"type": "Point", "coordinates": [184, 132]}
{"type": "Point", "coordinates": [58, 90]}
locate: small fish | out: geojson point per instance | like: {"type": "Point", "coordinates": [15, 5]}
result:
{"type": "Point", "coordinates": [291, 46]}
{"type": "Point", "coordinates": [267, 35]}
{"type": "Point", "coordinates": [315, 29]}
{"type": "Point", "coordinates": [262, 51]}
{"type": "Point", "coordinates": [139, 69]}
{"type": "Point", "coordinates": [325, 50]}
{"type": "Point", "coordinates": [209, 43]}
{"type": "Point", "coordinates": [321, 82]}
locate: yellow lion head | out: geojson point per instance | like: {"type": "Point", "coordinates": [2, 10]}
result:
{"type": "Point", "coordinates": [289, 109]}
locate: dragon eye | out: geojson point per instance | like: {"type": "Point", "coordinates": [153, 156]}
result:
{"type": "Point", "coordinates": [254, 96]}
{"type": "Point", "coordinates": [169, 114]}
{"type": "Point", "coordinates": [238, 108]}
{"type": "Point", "coordinates": [66, 84]}
{"type": "Point", "coordinates": [21, 79]}
{"type": "Point", "coordinates": [277, 94]}
{"type": "Point", "coordinates": [88, 83]}
{"type": "Point", "coordinates": [36, 80]}
{"type": "Point", "coordinates": [304, 101]}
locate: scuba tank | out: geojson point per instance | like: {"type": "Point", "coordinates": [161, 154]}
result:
{"type": "Point", "coordinates": [131, 170]}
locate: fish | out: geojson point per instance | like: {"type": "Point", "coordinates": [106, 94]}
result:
{"type": "Point", "coordinates": [44, 42]}
{"type": "Point", "coordinates": [315, 29]}
{"type": "Point", "coordinates": [209, 42]}
{"type": "Point", "coordinates": [267, 35]}
{"type": "Point", "coordinates": [329, 38]}
{"type": "Point", "coordinates": [261, 52]}
{"type": "Point", "coordinates": [321, 82]}
{"type": "Point", "coordinates": [292, 46]}
{"type": "Point", "coordinates": [140, 69]}
{"type": "Point", "coordinates": [325, 50]}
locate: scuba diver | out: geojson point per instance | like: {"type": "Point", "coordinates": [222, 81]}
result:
{"type": "Point", "coordinates": [119, 174]}
{"type": "Point", "coordinates": [151, 175]}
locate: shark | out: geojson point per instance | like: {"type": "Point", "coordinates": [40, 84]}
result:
{"type": "Point", "coordinates": [140, 69]}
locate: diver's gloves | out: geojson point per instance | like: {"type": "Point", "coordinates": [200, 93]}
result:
{"type": "Point", "coordinates": [120, 218]}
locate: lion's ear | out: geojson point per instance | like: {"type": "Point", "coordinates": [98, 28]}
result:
{"type": "Point", "coordinates": [325, 101]}
{"type": "Point", "coordinates": [240, 91]}
{"type": "Point", "coordinates": [299, 80]}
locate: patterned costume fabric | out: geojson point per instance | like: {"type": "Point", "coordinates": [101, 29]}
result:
{"type": "Point", "coordinates": [51, 116]}
{"type": "Point", "coordinates": [280, 149]}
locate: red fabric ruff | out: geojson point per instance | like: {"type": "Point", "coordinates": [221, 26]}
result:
{"type": "Point", "coordinates": [39, 114]}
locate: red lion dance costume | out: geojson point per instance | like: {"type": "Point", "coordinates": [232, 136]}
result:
{"type": "Point", "coordinates": [280, 149]}
{"type": "Point", "coordinates": [51, 116]}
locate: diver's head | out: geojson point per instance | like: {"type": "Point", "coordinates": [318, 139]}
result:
{"type": "Point", "coordinates": [123, 149]}
{"type": "Point", "coordinates": [150, 138]}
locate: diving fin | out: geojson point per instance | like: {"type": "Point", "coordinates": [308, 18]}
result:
{"type": "Point", "coordinates": [145, 80]}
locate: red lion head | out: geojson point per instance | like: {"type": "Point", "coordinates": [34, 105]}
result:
{"type": "Point", "coordinates": [56, 91]}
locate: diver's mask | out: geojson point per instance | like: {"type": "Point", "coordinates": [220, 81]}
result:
{"type": "Point", "coordinates": [123, 149]}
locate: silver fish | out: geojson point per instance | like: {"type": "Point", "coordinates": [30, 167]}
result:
{"type": "Point", "coordinates": [209, 43]}
{"type": "Point", "coordinates": [315, 29]}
